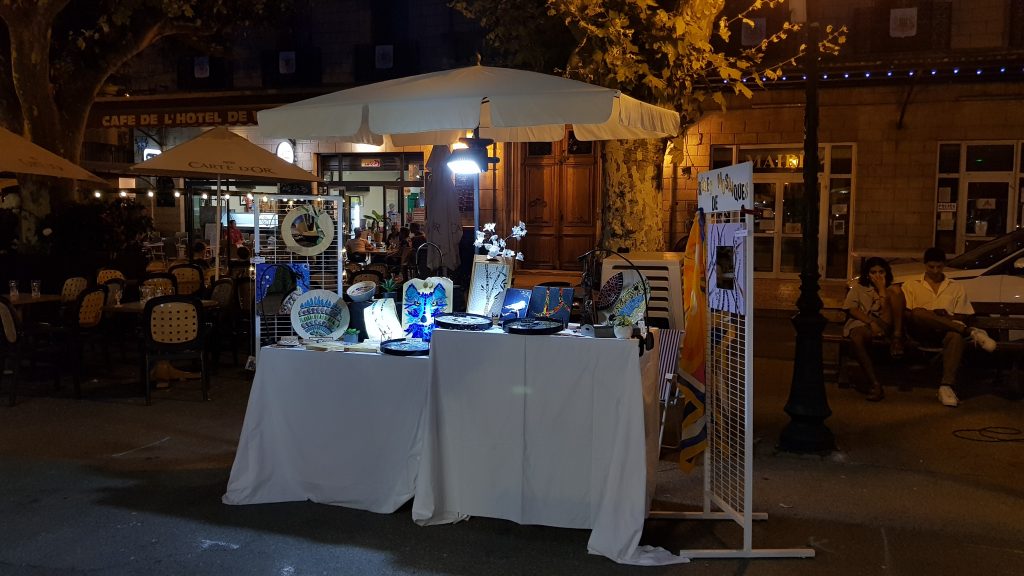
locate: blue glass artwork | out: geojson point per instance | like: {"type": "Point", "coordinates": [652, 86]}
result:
{"type": "Point", "coordinates": [419, 308]}
{"type": "Point", "coordinates": [266, 274]}
{"type": "Point", "coordinates": [551, 302]}
{"type": "Point", "coordinates": [516, 303]}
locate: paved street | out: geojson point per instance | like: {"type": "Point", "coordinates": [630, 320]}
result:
{"type": "Point", "coordinates": [109, 486]}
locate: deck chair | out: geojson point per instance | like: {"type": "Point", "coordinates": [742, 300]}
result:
{"type": "Point", "coordinates": [668, 360]}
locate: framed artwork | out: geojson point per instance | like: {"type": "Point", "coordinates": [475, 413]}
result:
{"type": "Point", "coordinates": [488, 280]}
{"type": "Point", "coordinates": [424, 299]}
{"type": "Point", "coordinates": [725, 268]}
{"type": "Point", "coordinates": [515, 304]}
{"type": "Point", "coordinates": [551, 302]}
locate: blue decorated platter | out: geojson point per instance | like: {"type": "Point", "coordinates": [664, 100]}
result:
{"type": "Point", "coordinates": [320, 314]}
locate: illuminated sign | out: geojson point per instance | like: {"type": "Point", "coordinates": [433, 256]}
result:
{"type": "Point", "coordinates": [235, 117]}
{"type": "Point", "coordinates": [369, 163]}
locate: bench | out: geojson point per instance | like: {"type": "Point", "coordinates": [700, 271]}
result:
{"type": "Point", "coordinates": [837, 365]}
{"type": "Point", "coordinates": [1001, 320]}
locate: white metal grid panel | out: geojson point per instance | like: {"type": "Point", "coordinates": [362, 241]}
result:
{"type": "Point", "coordinates": [729, 457]}
{"type": "Point", "coordinates": [324, 268]}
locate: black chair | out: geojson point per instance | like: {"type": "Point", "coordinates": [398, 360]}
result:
{"type": "Point", "coordinates": [16, 346]}
{"type": "Point", "coordinates": [244, 321]}
{"type": "Point", "coordinates": [224, 332]}
{"type": "Point", "coordinates": [173, 329]}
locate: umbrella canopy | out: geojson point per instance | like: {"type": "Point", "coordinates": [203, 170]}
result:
{"type": "Point", "coordinates": [221, 152]}
{"type": "Point", "coordinates": [507, 105]}
{"type": "Point", "coordinates": [21, 156]}
{"type": "Point", "coordinates": [444, 226]}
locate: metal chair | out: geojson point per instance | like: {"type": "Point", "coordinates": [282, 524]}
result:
{"type": "Point", "coordinates": [16, 346]}
{"type": "Point", "coordinates": [106, 274]}
{"type": "Point", "coordinates": [72, 288]}
{"type": "Point", "coordinates": [223, 291]}
{"type": "Point", "coordinates": [189, 278]}
{"type": "Point", "coordinates": [363, 275]}
{"type": "Point", "coordinates": [173, 329]}
{"type": "Point", "coordinates": [163, 280]}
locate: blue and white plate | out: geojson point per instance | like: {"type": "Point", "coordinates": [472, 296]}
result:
{"type": "Point", "coordinates": [319, 314]}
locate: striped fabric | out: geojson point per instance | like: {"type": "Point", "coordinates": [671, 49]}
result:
{"type": "Point", "coordinates": [668, 359]}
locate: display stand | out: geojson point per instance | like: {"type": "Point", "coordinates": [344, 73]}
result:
{"type": "Point", "coordinates": [270, 247]}
{"type": "Point", "coordinates": [726, 196]}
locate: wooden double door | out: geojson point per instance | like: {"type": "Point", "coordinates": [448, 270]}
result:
{"type": "Point", "coordinates": [561, 191]}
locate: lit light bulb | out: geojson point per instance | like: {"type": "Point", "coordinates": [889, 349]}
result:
{"type": "Point", "coordinates": [205, 196]}
{"type": "Point", "coordinates": [97, 193]}
{"type": "Point", "coordinates": [150, 194]}
{"type": "Point", "coordinates": [122, 194]}
{"type": "Point", "coordinates": [177, 194]}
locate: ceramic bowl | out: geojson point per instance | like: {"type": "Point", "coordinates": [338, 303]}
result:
{"type": "Point", "coordinates": [362, 291]}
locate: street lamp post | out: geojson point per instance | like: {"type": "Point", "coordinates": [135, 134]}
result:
{"type": "Point", "coordinates": [807, 405]}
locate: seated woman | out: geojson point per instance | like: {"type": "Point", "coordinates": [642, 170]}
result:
{"type": "Point", "coordinates": [871, 307]}
{"type": "Point", "coordinates": [399, 254]}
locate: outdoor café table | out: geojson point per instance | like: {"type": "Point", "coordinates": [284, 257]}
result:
{"type": "Point", "coordinates": [23, 302]}
{"type": "Point", "coordinates": [332, 427]}
{"type": "Point", "coordinates": [552, 430]}
{"type": "Point", "coordinates": [139, 307]}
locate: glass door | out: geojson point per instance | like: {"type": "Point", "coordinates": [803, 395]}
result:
{"type": "Point", "coordinates": [987, 210]}
{"type": "Point", "coordinates": [778, 225]}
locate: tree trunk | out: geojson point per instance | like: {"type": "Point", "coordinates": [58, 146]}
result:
{"type": "Point", "coordinates": [632, 214]}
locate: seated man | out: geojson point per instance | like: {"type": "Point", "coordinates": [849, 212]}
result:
{"type": "Point", "coordinates": [933, 308]}
{"type": "Point", "coordinates": [356, 247]}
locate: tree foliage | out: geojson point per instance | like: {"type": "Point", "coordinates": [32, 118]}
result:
{"type": "Point", "coordinates": [57, 55]}
{"type": "Point", "coordinates": [683, 54]}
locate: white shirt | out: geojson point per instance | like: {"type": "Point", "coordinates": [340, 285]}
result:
{"type": "Point", "coordinates": [949, 297]}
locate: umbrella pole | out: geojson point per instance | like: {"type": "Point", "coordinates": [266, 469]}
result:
{"type": "Point", "coordinates": [216, 240]}
{"type": "Point", "coordinates": [476, 202]}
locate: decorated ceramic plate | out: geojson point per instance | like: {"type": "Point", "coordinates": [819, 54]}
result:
{"type": "Point", "coordinates": [462, 321]}
{"type": "Point", "coordinates": [533, 326]}
{"type": "Point", "coordinates": [362, 291]}
{"type": "Point", "coordinates": [405, 347]}
{"type": "Point", "coordinates": [609, 292]}
{"type": "Point", "coordinates": [319, 314]}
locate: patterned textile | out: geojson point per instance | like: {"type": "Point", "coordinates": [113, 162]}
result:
{"type": "Point", "coordinates": [691, 366]}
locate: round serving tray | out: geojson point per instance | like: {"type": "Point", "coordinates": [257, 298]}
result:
{"type": "Point", "coordinates": [533, 326]}
{"type": "Point", "coordinates": [405, 347]}
{"type": "Point", "coordinates": [462, 321]}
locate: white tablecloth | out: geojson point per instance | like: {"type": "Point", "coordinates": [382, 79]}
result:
{"type": "Point", "coordinates": [542, 430]}
{"type": "Point", "coordinates": [332, 427]}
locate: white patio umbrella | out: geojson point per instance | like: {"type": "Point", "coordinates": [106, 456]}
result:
{"type": "Point", "coordinates": [503, 104]}
{"type": "Point", "coordinates": [19, 155]}
{"type": "Point", "coordinates": [222, 153]}
{"type": "Point", "coordinates": [444, 227]}
{"type": "Point", "coordinates": [506, 105]}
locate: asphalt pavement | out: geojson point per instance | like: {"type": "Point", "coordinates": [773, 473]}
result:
{"type": "Point", "coordinates": [109, 486]}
